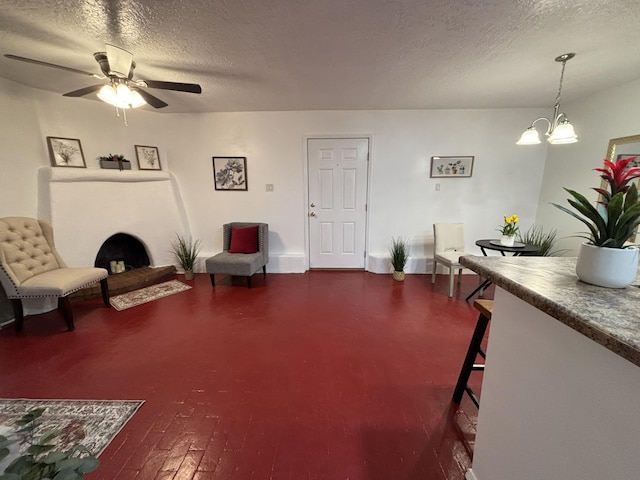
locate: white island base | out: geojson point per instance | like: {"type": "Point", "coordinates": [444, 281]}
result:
{"type": "Point", "coordinates": [555, 405]}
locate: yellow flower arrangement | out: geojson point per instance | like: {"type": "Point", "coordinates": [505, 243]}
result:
{"type": "Point", "coordinates": [510, 227]}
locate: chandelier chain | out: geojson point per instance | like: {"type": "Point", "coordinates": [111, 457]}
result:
{"type": "Point", "coordinates": [564, 63]}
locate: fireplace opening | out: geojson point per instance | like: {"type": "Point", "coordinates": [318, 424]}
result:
{"type": "Point", "coordinates": [121, 252]}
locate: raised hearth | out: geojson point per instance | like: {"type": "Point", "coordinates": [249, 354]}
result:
{"type": "Point", "coordinates": [127, 281]}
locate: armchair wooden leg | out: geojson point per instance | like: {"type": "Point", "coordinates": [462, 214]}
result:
{"type": "Point", "coordinates": [433, 273]}
{"type": "Point", "coordinates": [264, 271]}
{"type": "Point", "coordinates": [64, 305]}
{"type": "Point", "coordinates": [213, 280]}
{"type": "Point", "coordinates": [104, 287]}
{"type": "Point", "coordinates": [249, 281]}
{"type": "Point", "coordinates": [18, 313]}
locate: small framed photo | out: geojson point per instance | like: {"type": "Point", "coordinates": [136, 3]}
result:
{"type": "Point", "coordinates": [148, 157]}
{"type": "Point", "coordinates": [66, 152]}
{"type": "Point", "coordinates": [230, 173]}
{"type": "Point", "coordinates": [455, 167]}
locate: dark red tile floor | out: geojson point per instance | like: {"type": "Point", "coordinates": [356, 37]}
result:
{"type": "Point", "coordinates": [322, 375]}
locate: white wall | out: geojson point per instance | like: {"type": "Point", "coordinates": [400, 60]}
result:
{"type": "Point", "coordinates": [403, 200]}
{"type": "Point", "coordinates": [597, 119]}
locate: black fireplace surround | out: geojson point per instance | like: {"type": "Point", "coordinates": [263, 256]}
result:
{"type": "Point", "coordinates": [122, 247]}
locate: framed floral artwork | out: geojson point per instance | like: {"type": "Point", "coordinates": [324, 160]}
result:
{"type": "Point", "coordinates": [230, 173]}
{"type": "Point", "coordinates": [148, 157]}
{"type": "Point", "coordinates": [455, 167]}
{"type": "Point", "coordinates": [66, 152]}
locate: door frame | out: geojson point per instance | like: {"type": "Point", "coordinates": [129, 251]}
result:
{"type": "Point", "coordinates": [305, 173]}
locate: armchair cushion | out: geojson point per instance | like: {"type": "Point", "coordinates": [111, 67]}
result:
{"type": "Point", "coordinates": [244, 240]}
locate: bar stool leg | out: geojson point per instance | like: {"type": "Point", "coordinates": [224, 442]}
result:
{"type": "Point", "coordinates": [467, 366]}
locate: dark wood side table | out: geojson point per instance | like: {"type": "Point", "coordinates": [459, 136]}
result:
{"type": "Point", "coordinates": [491, 244]}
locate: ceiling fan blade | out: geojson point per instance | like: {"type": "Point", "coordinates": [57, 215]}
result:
{"type": "Point", "coordinates": [52, 65]}
{"type": "Point", "coordinates": [180, 87]}
{"type": "Point", "coordinates": [150, 99]}
{"type": "Point", "coordinates": [119, 61]}
{"type": "Point", "coordinates": [84, 91]}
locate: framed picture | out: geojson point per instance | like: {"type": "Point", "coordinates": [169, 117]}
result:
{"type": "Point", "coordinates": [456, 167]}
{"type": "Point", "coordinates": [66, 152]}
{"type": "Point", "coordinates": [230, 173]}
{"type": "Point", "coordinates": [148, 157]}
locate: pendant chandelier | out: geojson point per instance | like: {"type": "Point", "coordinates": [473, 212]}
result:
{"type": "Point", "coordinates": [560, 130]}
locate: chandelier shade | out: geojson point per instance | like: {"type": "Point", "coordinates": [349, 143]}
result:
{"type": "Point", "coordinates": [559, 131]}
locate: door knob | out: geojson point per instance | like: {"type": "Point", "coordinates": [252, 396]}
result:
{"type": "Point", "coordinates": [312, 214]}
{"type": "Point", "coordinates": [313, 205]}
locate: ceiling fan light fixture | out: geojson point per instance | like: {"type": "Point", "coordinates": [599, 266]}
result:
{"type": "Point", "coordinates": [559, 132]}
{"type": "Point", "coordinates": [120, 96]}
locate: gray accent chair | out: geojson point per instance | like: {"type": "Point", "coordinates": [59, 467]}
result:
{"type": "Point", "coordinates": [240, 264]}
{"type": "Point", "coordinates": [30, 267]}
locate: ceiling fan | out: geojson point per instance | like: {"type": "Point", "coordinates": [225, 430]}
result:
{"type": "Point", "coordinates": [122, 91]}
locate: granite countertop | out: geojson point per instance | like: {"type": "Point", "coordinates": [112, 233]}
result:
{"type": "Point", "coordinates": [608, 316]}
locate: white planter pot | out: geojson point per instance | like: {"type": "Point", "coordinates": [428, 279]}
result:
{"type": "Point", "coordinates": [607, 267]}
{"type": "Point", "coordinates": [507, 240]}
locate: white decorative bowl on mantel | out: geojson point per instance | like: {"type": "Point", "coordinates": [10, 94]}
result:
{"type": "Point", "coordinates": [607, 267]}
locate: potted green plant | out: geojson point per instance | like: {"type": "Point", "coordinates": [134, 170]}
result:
{"type": "Point", "coordinates": [399, 253]}
{"type": "Point", "coordinates": [43, 458]}
{"type": "Point", "coordinates": [115, 161]}
{"type": "Point", "coordinates": [185, 251]}
{"type": "Point", "coordinates": [605, 259]}
{"type": "Point", "coordinates": [545, 241]}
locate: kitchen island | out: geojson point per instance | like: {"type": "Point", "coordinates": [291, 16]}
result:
{"type": "Point", "coordinates": [562, 379]}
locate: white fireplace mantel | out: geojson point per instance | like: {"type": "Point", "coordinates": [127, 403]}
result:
{"type": "Point", "coordinates": [87, 206]}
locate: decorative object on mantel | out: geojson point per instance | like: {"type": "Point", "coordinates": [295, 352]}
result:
{"type": "Point", "coordinates": [185, 251]}
{"type": "Point", "coordinates": [399, 253]}
{"type": "Point", "coordinates": [560, 130]}
{"type": "Point", "coordinates": [66, 152]}
{"type": "Point", "coordinates": [456, 167]}
{"type": "Point", "coordinates": [509, 230]}
{"type": "Point", "coordinates": [230, 173]}
{"type": "Point", "coordinates": [115, 161]}
{"type": "Point", "coordinates": [148, 157]}
{"type": "Point", "coordinates": [606, 259]}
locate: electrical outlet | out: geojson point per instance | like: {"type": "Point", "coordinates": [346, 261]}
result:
{"type": "Point", "coordinates": [269, 187]}
{"type": "Point", "coordinates": [437, 187]}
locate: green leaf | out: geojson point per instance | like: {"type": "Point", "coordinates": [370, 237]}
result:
{"type": "Point", "coordinates": [67, 474]}
{"type": "Point", "coordinates": [592, 228]}
{"type": "Point", "coordinates": [40, 449]}
{"type": "Point", "coordinates": [48, 436]}
{"type": "Point", "coordinates": [54, 456]}
{"type": "Point", "coordinates": [89, 464]}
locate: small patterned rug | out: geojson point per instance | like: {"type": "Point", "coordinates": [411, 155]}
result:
{"type": "Point", "coordinates": [147, 294]}
{"type": "Point", "coordinates": [92, 423]}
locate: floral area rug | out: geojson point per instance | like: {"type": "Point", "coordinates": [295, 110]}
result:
{"type": "Point", "coordinates": [147, 294]}
{"type": "Point", "coordinates": [92, 423]}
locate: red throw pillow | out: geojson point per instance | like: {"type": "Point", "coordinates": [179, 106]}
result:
{"type": "Point", "coordinates": [244, 240]}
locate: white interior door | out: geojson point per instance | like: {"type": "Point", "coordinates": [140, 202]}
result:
{"type": "Point", "coordinates": [337, 201]}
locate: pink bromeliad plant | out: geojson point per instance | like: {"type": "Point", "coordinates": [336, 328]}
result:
{"type": "Point", "coordinates": [617, 215]}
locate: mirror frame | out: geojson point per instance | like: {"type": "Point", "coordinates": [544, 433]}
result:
{"type": "Point", "coordinates": [611, 151]}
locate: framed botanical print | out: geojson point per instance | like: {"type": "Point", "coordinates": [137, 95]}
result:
{"type": "Point", "coordinates": [66, 152]}
{"type": "Point", "coordinates": [230, 173]}
{"type": "Point", "coordinates": [148, 157]}
{"type": "Point", "coordinates": [456, 167]}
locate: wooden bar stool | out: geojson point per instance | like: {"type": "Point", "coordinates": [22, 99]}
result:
{"type": "Point", "coordinates": [485, 307]}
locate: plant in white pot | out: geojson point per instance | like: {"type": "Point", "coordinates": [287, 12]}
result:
{"type": "Point", "coordinates": [185, 251]}
{"type": "Point", "coordinates": [605, 259]}
{"type": "Point", "coordinates": [399, 253]}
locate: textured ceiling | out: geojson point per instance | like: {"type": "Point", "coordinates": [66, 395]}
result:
{"type": "Point", "coordinates": [252, 55]}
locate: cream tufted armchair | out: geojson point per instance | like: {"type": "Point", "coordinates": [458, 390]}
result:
{"type": "Point", "coordinates": [30, 267]}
